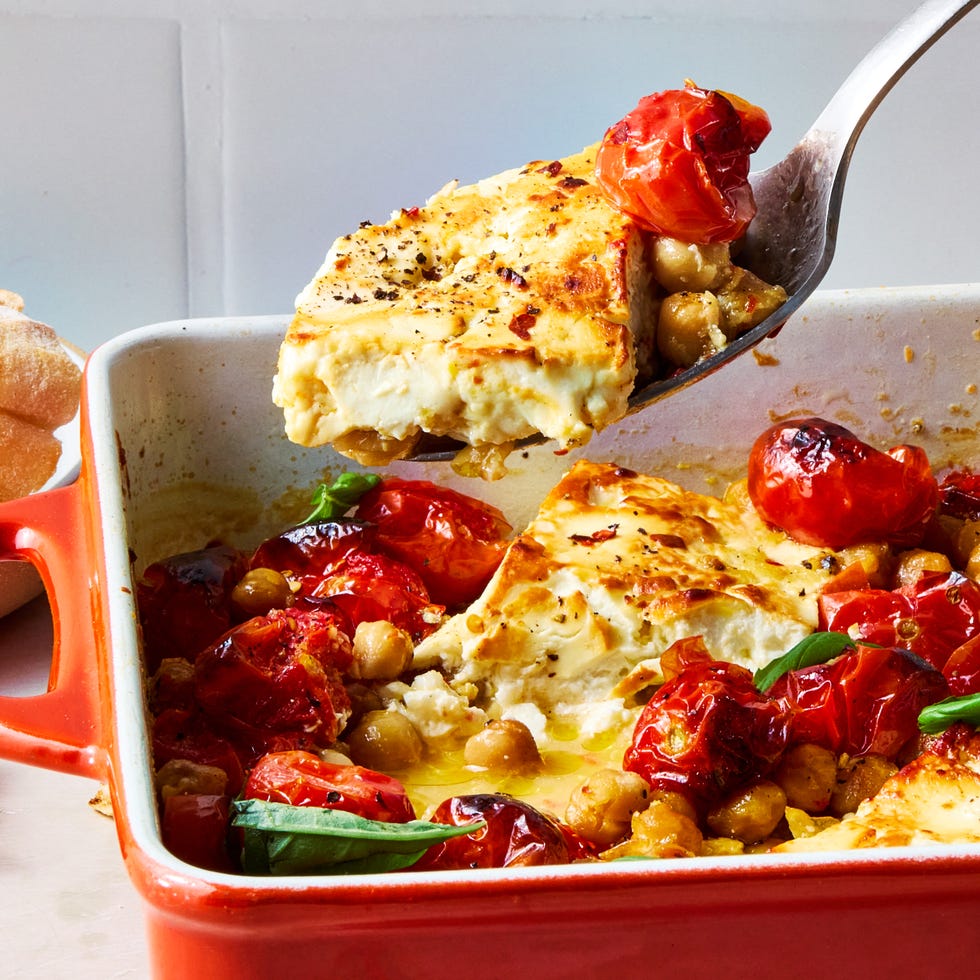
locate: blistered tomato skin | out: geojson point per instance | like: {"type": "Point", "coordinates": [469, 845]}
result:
{"type": "Point", "coordinates": [304, 779]}
{"type": "Point", "coordinates": [184, 602]}
{"type": "Point", "coordinates": [454, 542]}
{"type": "Point", "coordinates": [825, 487]}
{"type": "Point", "coordinates": [678, 164]}
{"type": "Point", "coordinates": [515, 834]}
{"type": "Point", "coordinates": [705, 732]}
{"type": "Point", "coordinates": [864, 702]}
{"type": "Point", "coordinates": [276, 678]}
{"type": "Point", "coordinates": [932, 616]}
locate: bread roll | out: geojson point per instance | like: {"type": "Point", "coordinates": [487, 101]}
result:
{"type": "Point", "coordinates": [39, 382]}
{"type": "Point", "coordinates": [29, 455]}
{"type": "Point", "coordinates": [39, 391]}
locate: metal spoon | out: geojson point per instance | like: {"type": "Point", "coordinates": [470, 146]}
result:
{"type": "Point", "coordinates": [792, 238]}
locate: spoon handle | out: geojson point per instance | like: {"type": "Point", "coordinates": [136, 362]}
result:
{"type": "Point", "coordinates": [840, 123]}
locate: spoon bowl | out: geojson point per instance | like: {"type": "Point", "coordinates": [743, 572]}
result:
{"type": "Point", "coordinates": [792, 238]}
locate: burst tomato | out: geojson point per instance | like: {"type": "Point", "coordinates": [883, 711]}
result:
{"type": "Point", "coordinates": [453, 541]}
{"type": "Point", "coordinates": [932, 616]}
{"type": "Point", "coordinates": [962, 669]}
{"type": "Point", "coordinates": [368, 587]}
{"type": "Point", "coordinates": [184, 601]}
{"type": "Point", "coordinates": [515, 834]}
{"type": "Point", "coordinates": [309, 552]}
{"type": "Point", "coordinates": [276, 676]}
{"type": "Point", "coordinates": [824, 486]}
{"type": "Point", "coordinates": [705, 732]}
{"type": "Point", "coordinates": [959, 495]}
{"type": "Point", "coordinates": [866, 701]}
{"type": "Point", "coordinates": [304, 779]}
{"type": "Point", "coordinates": [186, 733]}
{"type": "Point", "coordinates": [194, 827]}
{"type": "Point", "coordinates": [678, 164]}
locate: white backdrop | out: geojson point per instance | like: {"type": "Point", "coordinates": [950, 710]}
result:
{"type": "Point", "coordinates": [172, 158]}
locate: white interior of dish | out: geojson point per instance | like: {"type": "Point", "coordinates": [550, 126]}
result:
{"type": "Point", "coordinates": [187, 440]}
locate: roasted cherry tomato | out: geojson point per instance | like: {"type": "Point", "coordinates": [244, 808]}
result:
{"type": "Point", "coordinates": [678, 164]}
{"type": "Point", "coordinates": [824, 486]}
{"type": "Point", "coordinates": [962, 669]}
{"type": "Point", "coordinates": [309, 552]}
{"type": "Point", "coordinates": [368, 587]}
{"type": "Point", "coordinates": [195, 827]}
{"type": "Point", "coordinates": [184, 602]}
{"type": "Point", "coordinates": [304, 779]}
{"type": "Point", "coordinates": [277, 675]}
{"type": "Point", "coordinates": [186, 733]}
{"type": "Point", "coordinates": [706, 732]}
{"type": "Point", "coordinates": [453, 541]}
{"type": "Point", "coordinates": [864, 702]}
{"type": "Point", "coordinates": [932, 616]}
{"type": "Point", "coordinates": [515, 834]}
{"type": "Point", "coordinates": [959, 495]}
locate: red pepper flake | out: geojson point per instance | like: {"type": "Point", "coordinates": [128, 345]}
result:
{"type": "Point", "coordinates": [597, 537]}
{"type": "Point", "coordinates": [569, 183]}
{"type": "Point", "coordinates": [522, 325]}
{"type": "Point", "coordinates": [514, 278]}
{"type": "Point", "coordinates": [552, 169]}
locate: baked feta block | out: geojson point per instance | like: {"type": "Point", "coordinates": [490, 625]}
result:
{"type": "Point", "coordinates": [615, 567]}
{"type": "Point", "coordinates": [518, 305]}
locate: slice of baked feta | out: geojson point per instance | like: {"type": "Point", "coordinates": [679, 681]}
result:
{"type": "Point", "coordinates": [615, 567]}
{"type": "Point", "coordinates": [518, 305]}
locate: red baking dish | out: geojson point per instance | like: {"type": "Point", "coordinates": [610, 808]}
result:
{"type": "Point", "coordinates": [180, 437]}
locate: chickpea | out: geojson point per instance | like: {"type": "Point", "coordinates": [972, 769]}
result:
{"type": "Point", "coordinates": [676, 801]}
{"type": "Point", "coordinates": [602, 807]}
{"type": "Point", "coordinates": [181, 777]}
{"type": "Point", "coordinates": [745, 300]}
{"type": "Point", "coordinates": [966, 547]}
{"type": "Point", "coordinates": [506, 745]}
{"type": "Point", "coordinates": [385, 740]}
{"type": "Point", "coordinates": [911, 564]}
{"type": "Point", "coordinates": [750, 814]}
{"type": "Point", "coordinates": [381, 651]}
{"type": "Point", "coordinates": [689, 327]}
{"type": "Point", "coordinates": [680, 266]}
{"type": "Point", "coordinates": [877, 561]}
{"type": "Point", "coordinates": [661, 832]}
{"type": "Point", "coordinates": [172, 683]}
{"type": "Point", "coordinates": [807, 774]}
{"type": "Point", "coordinates": [858, 780]}
{"type": "Point", "coordinates": [261, 590]}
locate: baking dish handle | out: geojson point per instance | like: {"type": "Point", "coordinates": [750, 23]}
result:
{"type": "Point", "coordinates": [62, 728]}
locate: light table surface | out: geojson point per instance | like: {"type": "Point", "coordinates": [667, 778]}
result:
{"type": "Point", "coordinates": [67, 907]}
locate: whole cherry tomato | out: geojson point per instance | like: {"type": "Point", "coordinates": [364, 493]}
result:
{"type": "Point", "coordinates": [277, 675]}
{"type": "Point", "coordinates": [824, 486]}
{"type": "Point", "coordinates": [367, 587]}
{"type": "Point", "coordinates": [184, 601]}
{"type": "Point", "coordinates": [195, 828]}
{"type": "Point", "coordinates": [866, 701]}
{"type": "Point", "coordinates": [304, 779]}
{"type": "Point", "coordinates": [931, 616]}
{"type": "Point", "coordinates": [515, 834]}
{"type": "Point", "coordinates": [453, 541]}
{"type": "Point", "coordinates": [678, 164]}
{"type": "Point", "coordinates": [706, 732]}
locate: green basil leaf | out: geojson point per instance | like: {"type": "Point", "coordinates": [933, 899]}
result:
{"type": "Point", "coordinates": [281, 839]}
{"type": "Point", "coordinates": [936, 718]}
{"type": "Point", "coordinates": [817, 648]}
{"type": "Point", "coordinates": [334, 501]}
